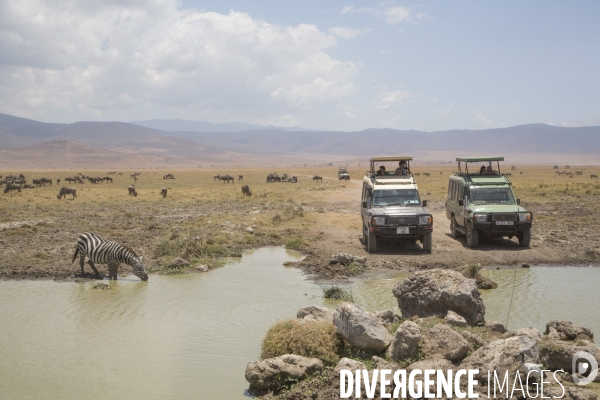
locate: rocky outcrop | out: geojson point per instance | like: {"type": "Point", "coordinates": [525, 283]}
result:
{"type": "Point", "coordinates": [345, 258]}
{"type": "Point", "coordinates": [503, 355]}
{"type": "Point", "coordinates": [178, 262]}
{"type": "Point", "coordinates": [317, 313]}
{"type": "Point", "coordinates": [567, 330]}
{"type": "Point", "coordinates": [434, 292]}
{"type": "Point", "coordinates": [570, 393]}
{"type": "Point", "coordinates": [454, 319]}
{"type": "Point", "coordinates": [529, 331]}
{"type": "Point", "coordinates": [475, 340]}
{"type": "Point", "coordinates": [495, 326]}
{"type": "Point", "coordinates": [274, 372]}
{"type": "Point", "coordinates": [558, 354]}
{"type": "Point", "coordinates": [442, 341]}
{"type": "Point", "coordinates": [405, 341]}
{"type": "Point", "coordinates": [360, 329]}
{"type": "Point", "coordinates": [386, 317]}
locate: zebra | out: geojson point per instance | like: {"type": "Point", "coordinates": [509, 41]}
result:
{"type": "Point", "coordinates": [102, 251]}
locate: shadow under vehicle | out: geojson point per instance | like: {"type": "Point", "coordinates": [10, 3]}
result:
{"type": "Point", "coordinates": [482, 203]}
{"type": "Point", "coordinates": [391, 207]}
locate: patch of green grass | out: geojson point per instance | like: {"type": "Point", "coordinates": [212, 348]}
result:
{"type": "Point", "coordinates": [335, 292]}
{"type": "Point", "coordinates": [295, 244]}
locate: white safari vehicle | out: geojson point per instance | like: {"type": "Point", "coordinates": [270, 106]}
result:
{"type": "Point", "coordinates": [391, 206]}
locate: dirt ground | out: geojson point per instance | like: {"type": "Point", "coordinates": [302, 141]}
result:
{"type": "Point", "coordinates": [205, 221]}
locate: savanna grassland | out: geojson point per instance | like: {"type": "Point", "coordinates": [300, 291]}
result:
{"type": "Point", "coordinates": [205, 221]}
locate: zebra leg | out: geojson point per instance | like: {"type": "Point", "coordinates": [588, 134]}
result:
{"type": "Point", "coordinates": [113, 269]}
{"type": "Point", "coordinates": [91, 263]}
{"type": "Point", "coordinates": [81, 262]}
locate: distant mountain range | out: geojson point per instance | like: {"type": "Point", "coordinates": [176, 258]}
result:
{"type": "Point", "coordinates": [181, 125]}
{"type": "Point", "coordinates": [534, 143]}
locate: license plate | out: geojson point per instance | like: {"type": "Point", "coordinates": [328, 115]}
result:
{"type": "Point", "coordinates": [505, 222]}
{"type": "Point", "coordinates": [402, 230]}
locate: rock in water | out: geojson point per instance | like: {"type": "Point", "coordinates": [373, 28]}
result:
{"type": "Point", "coordinates": [318, 313]}
{"type": "Point", "coordinates": [434, 292]}
{"type": "Point", "coordinates": [360, 329]}
{"type": "Point", "coordinates": [102, 286]}
{"type": "Point", "coordinates": [273, 373]}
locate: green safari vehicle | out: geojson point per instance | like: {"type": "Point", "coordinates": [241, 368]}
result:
{"type": "Point", "coordinates": [481, 202]}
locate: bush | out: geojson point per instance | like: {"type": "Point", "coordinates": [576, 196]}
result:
{"type": "Point", "coordinates": [304, 338]}
{"type": "Point", "coordinates": [471, 270]}
{"type": "Point", "coordinates": [336, 293]}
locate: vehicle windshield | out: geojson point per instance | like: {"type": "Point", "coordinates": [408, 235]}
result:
{"type": "Point", "coordinates": [492, 195]}
{"type": "Point", "coordinates": [395, 197]}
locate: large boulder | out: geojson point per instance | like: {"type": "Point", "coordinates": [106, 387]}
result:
{"type": "Point", "coordinates": [444, 342]}
{"type": "Point", "coordinates": [568, 330]}
{"type": "Point", "coordinates": [386, 317]}
{"type": "Point", "coordinates": [274, 372]}
{"type": "Point", "coordinates": [558, 354]}
{"type": "Point", "coordinates": [434, 292]}
{"type": "Point", "coordinates": [316, 312]}
{"type": "Point", "coordinates": [405, 341]}
{"type": "Point", "coordinates": [360, 329]}
{"type": "Point", "coordinates": [503, 355]}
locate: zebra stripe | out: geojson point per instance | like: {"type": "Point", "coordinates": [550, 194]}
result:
{"type": "Point", "coordinates": [102, 251]}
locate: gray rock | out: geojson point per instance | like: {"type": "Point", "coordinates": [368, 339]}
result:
{"type": "Point", "coordinates": [380, 363]}
{"type": "Point", "coordinates": [568, 330]}
{"type": "Point", "coordinates": [318, 313]}
{"type": "Point", "coordinates": [431, 363]}
{"type": "Point", "coordinates": [345, 258]}
{"type": "Point", "coordinates": [178, 262]}
{"type": "Point", "coordinates": [558, 354]}
{"type": "Point", "coordinates": [202, 268]}
{"type": "Point", "coordinates": [495, 326]}
{"type": "Point", "coordinates": [434, 292]}
{"type": "Point", "coordinates": [273, 372]}
{"type": "Point", "coordinates": [386, 317]}
{"type": "Point", "coordinates": [475, 340]}
{"type": "Point", "coordinates": [503, 355]}
{"type": "Point", "coordinates": [101, 286]}
{"type": "Point", "coordinates": [249, 229]}
{"type": "Point", "coordinates": [442, 341]}
{"type": "Point", "coordinates": [360, 329]}
{"type": "Point", "coordinates": [571, 393]}
{"type": "Point", "coordinates": [484, 282]}
{"type": "Point", "coordinates": [349, 364]}
{"type": "Point", "coordinates": [454, 319]}
{"type": "Point", "coordinates": [529, 331]}
{"type": "Point", "coordinates": [405, 342]}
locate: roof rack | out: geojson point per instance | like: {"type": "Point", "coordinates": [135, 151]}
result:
{"type": "Point", "coordinates": [467, 160]}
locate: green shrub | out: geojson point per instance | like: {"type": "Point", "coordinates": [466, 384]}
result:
{"type": "Point", "coordinates": [304, 338]}
{"type": "Point", "coordinates": [335, 292]}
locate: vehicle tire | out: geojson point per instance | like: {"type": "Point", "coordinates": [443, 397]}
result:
{"type": "Point", "coordinates": [372, 242]}
{"type": "Point", "coordinates": [525, 238]}
{"type": "Point", "coordinates": [453, 232]}
{"type": "Point", "coordinates": [427, 242]}
{"type": "Point", "coordinates": [472, 236]}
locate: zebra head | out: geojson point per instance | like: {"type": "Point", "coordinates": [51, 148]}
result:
{"type": "Point", "coordinates": [138, 269]}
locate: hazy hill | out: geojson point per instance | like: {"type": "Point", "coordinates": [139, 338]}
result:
{"type": "Point", "coordinates": [181, 125]}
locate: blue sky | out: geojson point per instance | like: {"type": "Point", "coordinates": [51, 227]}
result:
{"type": "Point", "coordinates": [333, 65]}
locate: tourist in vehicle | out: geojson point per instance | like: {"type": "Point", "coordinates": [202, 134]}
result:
{"type": "Point", "coordinates": [381, 170]}
{"type": "Point", "coordinates": [490, 171]}
{"type": "Point", "coordinates": [402, 169]}
{"type": "Point", "coordinates": [482, 170]}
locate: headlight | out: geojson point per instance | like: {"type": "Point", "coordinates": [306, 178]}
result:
{"type": "Point", "coordinates": [378, 221]}
{"type": "Point", "coordinates": [524, 217]}
{"type": "Point", "coordinates": [480, 217]}
{"type": "Point", "coordinates": [425, 219]}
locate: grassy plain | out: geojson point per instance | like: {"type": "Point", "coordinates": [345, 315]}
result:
{"type": "Point", "coordinates": [204, 221]}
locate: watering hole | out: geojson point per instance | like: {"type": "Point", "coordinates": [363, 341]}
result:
{"type": "Point", "coordinates": [191, 336]}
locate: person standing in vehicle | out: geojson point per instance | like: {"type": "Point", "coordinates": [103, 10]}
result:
{"type": "Point", "coordinates": [402, 169]}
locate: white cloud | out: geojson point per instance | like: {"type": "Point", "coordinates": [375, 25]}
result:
{"type": "Point", "coordinates": [347, 33]}
{"type": "Point", "coordinates": [99, 58]}
{"type": "Point", "coordinates": [481, 119]}
{"type": "Point", "coordinates": [445, 111]}
{"type": "Point", "coordinates": [392, 14]}
{"type": "Point", "coordinates": [388, 98]}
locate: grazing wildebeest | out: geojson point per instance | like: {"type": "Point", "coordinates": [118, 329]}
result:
{"type": "Point", "coordinates": [11, 186]}
{"type": "Point", "coordinates": [37, 182]}
{"type": "Point", "coordinates": [69, 179]}
{"type": "Point", "coordinates": [102, 251]}
{"type": "Point", "coordinates": [240, 177]}
{"type": "Point", "coordinates": [593, 176]}
{"type": "Point", "coordinates": [317, 178]}
{"type": "Point", "coordinates": [426, 174]}
{"type": "Point", "coordinates": [46, 181]}
{"type": "Point", "coordinates": [132, 191]}
{"type": "Point", "coordinates": [163, 192]}
{"type": "Point", "coordinates": [168, 176]}
{"type": "Point", "coordinates": [108, 178]}
{"type": "Point", "coordinates": [227, 178]}
{"type": "Point", "coordinates": [217, 178]}
{"type": "Point", "coordinates": [58, 181]}
{"type": "Point", "coordinates": [64, 191]}
{"type": "Point", "coordinates": [246, 190]}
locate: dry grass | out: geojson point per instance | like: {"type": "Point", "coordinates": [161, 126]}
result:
{"type": "Point", "coordinates": [305, 338]}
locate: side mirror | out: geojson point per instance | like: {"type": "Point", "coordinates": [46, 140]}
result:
{"type": "Point", "coordinates": [461, 203]}
{"type": "Point", "coordinates": [424, 203]}
{"type": "Point", "coordinates": [364, 204]}
{"type": "Point", "coordinates": [519, 201]}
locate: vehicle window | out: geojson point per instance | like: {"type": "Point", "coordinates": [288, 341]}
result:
{"type": "Point", "coordinates": [492, 195]}
{"type": "Point", "coordinates": [395, 197]}
{"type": "Point", "coordinates": [454, 190]}
{"type": "Point", "coordinates": [450, 190]}
{"type": "Point", "coordinates": [364, 192]}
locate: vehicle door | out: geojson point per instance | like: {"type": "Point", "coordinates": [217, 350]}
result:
{"type": "Point", "coordinates": [364, 204]}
